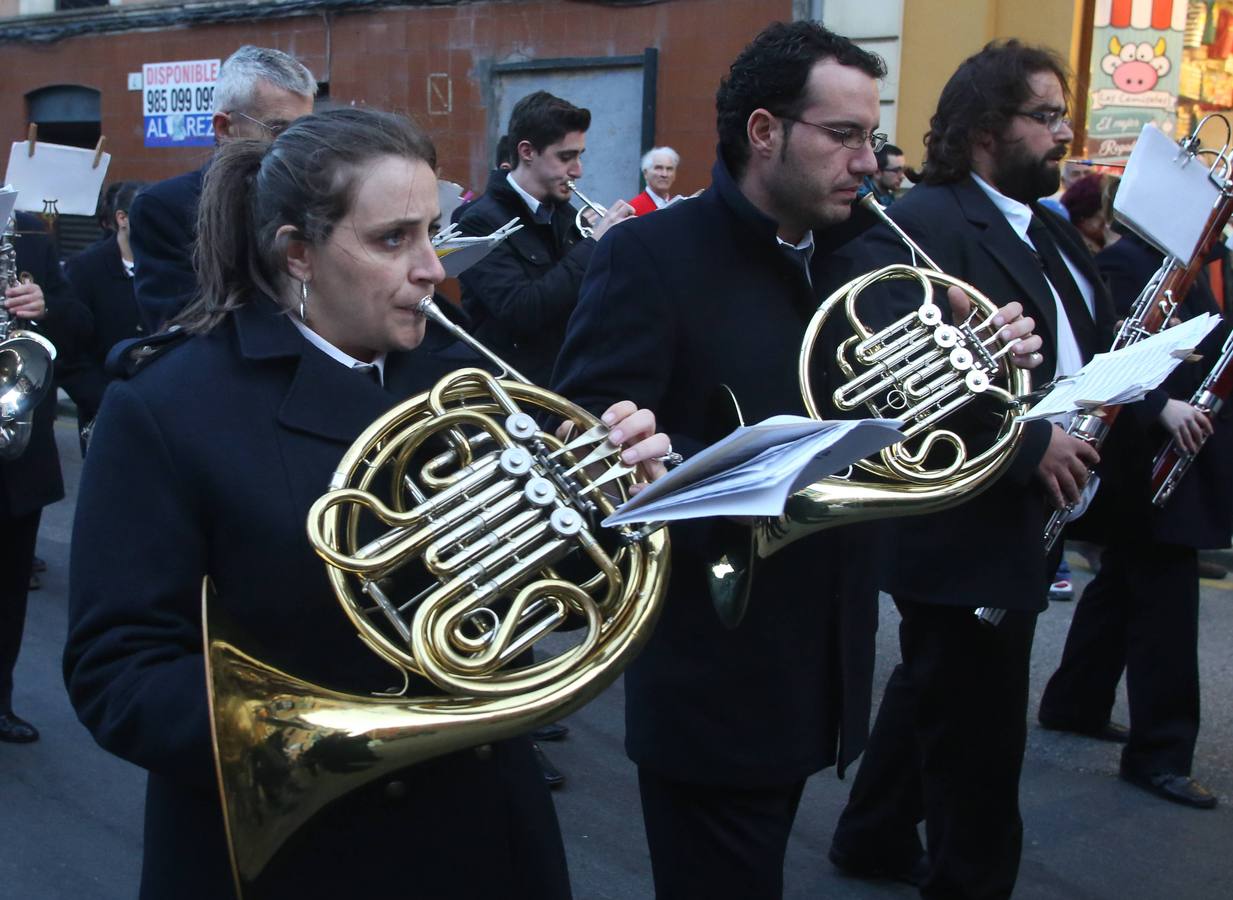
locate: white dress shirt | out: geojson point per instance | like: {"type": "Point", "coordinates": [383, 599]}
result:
{"type": "Point", "coordinates": [335, 354]}
{"type": "Point", "coordinates": [1019, 216]}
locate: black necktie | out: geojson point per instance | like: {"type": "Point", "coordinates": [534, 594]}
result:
{"type": "Point", "coordinates": [371, 372]}
{"type": "Point", "coordinates": [1063, 282]}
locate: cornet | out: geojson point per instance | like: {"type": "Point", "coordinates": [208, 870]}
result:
{"type": "Point", "coordinates": [580, 221]}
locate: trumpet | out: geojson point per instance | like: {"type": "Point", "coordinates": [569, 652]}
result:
{"type": "Point", "coordinates": [580, 221]}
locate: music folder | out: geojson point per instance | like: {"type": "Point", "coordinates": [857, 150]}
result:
{"type": "Point", "coordinates": [754, 469]}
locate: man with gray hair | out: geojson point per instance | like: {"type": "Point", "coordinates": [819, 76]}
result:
{"type": "Point", "coordinates": [259, 92]}
{"type": "Point", "coordinates": [659, 169]}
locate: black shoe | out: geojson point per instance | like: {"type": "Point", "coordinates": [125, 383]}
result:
{"type": "Point", "coordinates": [1178, 788]}
{"type": "Point", "coordinates": [552, 775]}
{"type": "Point", "coordinates": [553, 731]}
{"type": "Point", "coordinates": [35, 582]}
{"type": "Point", "coordinates": [1212, 570]}
{"type": "Point", "coordinates": [39, 565]}
{"type": "Point", "coordinates": [1113, 732]}
{"type": "Point", "coordinates": [16, 730]}
{"type": "Point", "coordinates": [855, 866]}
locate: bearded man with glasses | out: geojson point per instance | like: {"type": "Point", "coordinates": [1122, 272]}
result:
{"type": "Point", "coordinates": [948, 743]}
{"type": "Point", "coordinates": [726, 720]}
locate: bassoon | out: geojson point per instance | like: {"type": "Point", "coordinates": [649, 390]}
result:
{"type": "Point", "coordinates": [1172, 462]}
{"type": "Point", "coordinates": [1152, 310]}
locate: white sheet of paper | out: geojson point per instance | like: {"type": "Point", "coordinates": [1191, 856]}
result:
{"type": "Point", "coordinates": [1165, 195]}
{"type": "Point", "coordinates": [8, 202]}
{"type": "Point", "coordinates": [753, 470]}
{"type": "Point", "coordinates": [449, 195]}
{"type": "Point", "coordinates": [56, 172]}
{"type": "Point", "coordinates": [1123, 376]}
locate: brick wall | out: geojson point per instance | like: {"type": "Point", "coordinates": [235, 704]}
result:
{"type": "Point", "coordinates": [384, 58]}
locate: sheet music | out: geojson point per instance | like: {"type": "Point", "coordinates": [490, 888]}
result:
{"type": "Point", "coordinates": [753, 470]}
{"type": "Point", "coordinates": [1123, 376]}
{"type": "Point", "coordinates": [459, 252]}
{"type": "Point", "coordinates": [66, 175]}
{"type": "Point", "coordinates": [1166, 195]}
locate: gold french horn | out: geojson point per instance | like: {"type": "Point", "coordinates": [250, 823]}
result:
{"type": "Point", "coordinates": [919, 369]}
{"type": "Point", "coordinates": [496, 518]}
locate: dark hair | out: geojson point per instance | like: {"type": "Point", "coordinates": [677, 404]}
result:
{"type": "Point", "coordinates": [106, 204]}
{"type": "Point", "coordinates": [772, 73]}
{"type": "Point", "coordinates": [503, 156]}
{"type": "Point", "coordinates": [305, 178]}
{"type": "Point", "coordinates": [122, 200]}
{"type": "Point", "coordinates": [981, 98]}
{"type": "Point", "coordinates": [1084, 198]}
{"type": "Point", "coordinates": [543, 120]}
{"type": "Point", "coordinates": [886, 151]}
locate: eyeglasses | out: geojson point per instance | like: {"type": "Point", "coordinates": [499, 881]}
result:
{"type": "Point", "coordinates": [852, 138]}
{"type": "Point", "coordinates": [275, 130]}
{"type": "Point", "coordinates": [1053, 119]}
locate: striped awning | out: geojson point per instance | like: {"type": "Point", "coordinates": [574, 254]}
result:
{"type": "Point", "coordinates": [1160, 15]}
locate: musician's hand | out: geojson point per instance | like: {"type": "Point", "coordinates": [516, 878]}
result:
{"type": "Point", "coordinates": [617, 212]}
{"type": "Point", "coordinates": [1016, 328]}
{"type": "Point", "coordinates": [25, 301]}
{"type": "Point", "coordinates": [1186, 425]}
{"type": "Point", "coordinates": [634, 430]}
{"type": "Point", "coordinates": [1064, 468]}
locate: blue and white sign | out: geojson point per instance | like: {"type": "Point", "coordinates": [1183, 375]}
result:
{"type": "Point", "coordinates": [178, 102]}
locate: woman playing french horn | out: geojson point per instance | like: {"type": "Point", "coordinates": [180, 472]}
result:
{"type": "Point", "coordinates": [313, 253]}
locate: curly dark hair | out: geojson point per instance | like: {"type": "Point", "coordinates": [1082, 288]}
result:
{"type": "Point", "coordinates": [981, 98]}
{"type": "Point", "coordinates": [772, 74]}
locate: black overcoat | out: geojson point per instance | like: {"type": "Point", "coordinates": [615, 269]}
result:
{"type": "Point", "coordinates": [987, 551]}
{"type": "Point", "coordinates": [163, 229]}
{"type": "Point", "coordinates": [102, 285]}
{"type": "Point", "coordinates": [1200, 512]}
{"type": "Point", "coordinates": [674, 305]}
{"type": "Point", "coordinates": [520, 295]}
{"type": "Point", "coordinates": [206, 462]}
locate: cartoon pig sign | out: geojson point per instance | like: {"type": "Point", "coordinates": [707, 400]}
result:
{"type": "Point", "coordinates": [1135, 68]}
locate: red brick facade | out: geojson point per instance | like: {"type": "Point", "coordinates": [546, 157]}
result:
{"type": "Point", "coordinates": [384, 58]}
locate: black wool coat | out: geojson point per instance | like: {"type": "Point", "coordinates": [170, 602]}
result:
{"type": "Point", "coordinates": [988, 550]}
{"type": "Point", "coordinates": [205, 463]}
{"type": "Point", "coordinates": [1200, 512]}
{"type": "Point", "coordinates": [674, 306]}
{"type": "Point", "coordinates": [520, 295]}
{"type": "Point", "coordinates": [163, 224]}
{"type": "Point", "coordinates": [102, 285]}
{"type": "Point", "coordinates": [33, 480]}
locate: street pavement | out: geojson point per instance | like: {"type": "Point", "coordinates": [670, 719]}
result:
{"type": "Point", "coordinates": [70, 814]}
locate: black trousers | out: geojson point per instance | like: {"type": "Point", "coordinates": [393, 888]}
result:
{"type": "Point", "coordinates": [947, 747]}
{"type": "Point", "coordinates": [16, 560]}
{"type": "Point", "coordinates": [714, 841]}
{"type": "Point", "coordinates": [1139, 614]}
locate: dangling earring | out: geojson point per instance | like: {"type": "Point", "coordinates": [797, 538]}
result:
{"type": "Point", "coordinates": [303, 301]}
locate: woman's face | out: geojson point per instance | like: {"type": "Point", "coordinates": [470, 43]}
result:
{"type": "Point", "coordinates": [366, 280]}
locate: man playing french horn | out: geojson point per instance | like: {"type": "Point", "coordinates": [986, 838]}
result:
{"type": "Point", "coordinates": [949, 738]}
{"type": "Point", "coordinates": [725, 724]}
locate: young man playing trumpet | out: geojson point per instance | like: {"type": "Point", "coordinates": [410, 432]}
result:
{"type": "Point", "coordinates": [520, 296]}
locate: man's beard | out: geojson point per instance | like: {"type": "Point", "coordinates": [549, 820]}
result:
{"type": "Point", "coordinates": [1026, 178]}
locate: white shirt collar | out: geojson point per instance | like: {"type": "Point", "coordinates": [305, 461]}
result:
{"type": "Point", "coordinates": [660, 202]}
{"type": "Point", "coordinates": [531, 202]}
{"type": "Point", "coordinates": [334, 353]}
{"type": "Point", "coordinates": [1019, 215]}
{"type": "Point", "coordinates": [805, 244]}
